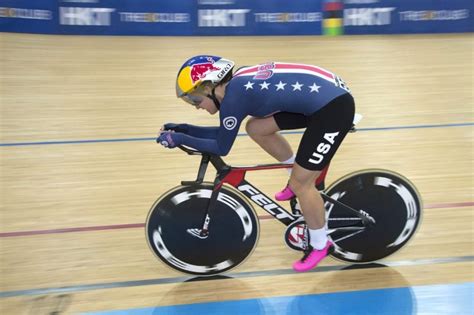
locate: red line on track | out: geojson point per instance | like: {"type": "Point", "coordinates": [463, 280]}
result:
{"type": "Point", "coordinates": [142, 225]}
{"type": "Point", "coordinates": [77, 229]}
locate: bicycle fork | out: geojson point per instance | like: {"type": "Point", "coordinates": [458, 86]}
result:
{"type": "Point", "coordinates": [204, 233]}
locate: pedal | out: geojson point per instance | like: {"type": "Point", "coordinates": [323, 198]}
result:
{"type": "Point", "coordinates": [331, 249]}
{"type": "Point", "coordinates": [197, 233]}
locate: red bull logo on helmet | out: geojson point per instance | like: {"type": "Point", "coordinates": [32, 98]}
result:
{"type": "Point", "coordinates": [199, 70]}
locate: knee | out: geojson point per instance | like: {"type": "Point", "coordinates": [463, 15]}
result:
{"type": "Point", "coordinates": [301, 186]}
{"type": "Point", "coordinates": [251, 127]}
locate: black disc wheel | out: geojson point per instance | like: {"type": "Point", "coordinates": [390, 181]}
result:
{"type": "Point", "coordinates": [390, 199]}
{"type": "Point", "coordinates": [175, 221]}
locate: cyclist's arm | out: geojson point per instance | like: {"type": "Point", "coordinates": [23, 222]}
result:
{"type": "Point", "coordinates": [195, 131]}
{"type": "Point", "coordinates": [219, 146]}
{"type": "Point", "coordinates": [231, 114]}
{"type": "Point", "coordinates": [225, 136]}
{"type": "Point", "coordinates": [202, 132]}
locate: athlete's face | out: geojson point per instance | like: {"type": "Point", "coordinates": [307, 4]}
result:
{"type": "Point", "coordinates": [200, 100]}
{"type": "Point", "coordinates": [208, 105]}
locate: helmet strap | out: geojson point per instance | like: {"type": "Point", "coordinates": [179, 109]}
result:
{"type": "Point", "coordinates": [213, 97]}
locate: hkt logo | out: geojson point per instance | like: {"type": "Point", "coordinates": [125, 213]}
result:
{"type": "Point", "coordinates": [222, 18]}
{"type": "Point", "coordinates": [367, 16]}
{"type": "Point", "coordinates": [199, 71]}
{"type": "Point", "coordinates": [85, 16]}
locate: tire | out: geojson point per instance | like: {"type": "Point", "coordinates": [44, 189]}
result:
{"type": "Point", "coordinates": [389, 198]}
{"type": "Point", "coordinates": [233, 230]}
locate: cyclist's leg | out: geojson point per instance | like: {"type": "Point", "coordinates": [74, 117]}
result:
{"type": "Point", "coordinates": [311, 202]}
{"type": "Point", "coordinates": [325, 132]}
{"type": "Point", "coordinates": [321, 139]}
{"type": "Point", "coordinates": [264, 131]}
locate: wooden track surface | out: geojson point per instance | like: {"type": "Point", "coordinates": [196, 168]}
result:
{"type": "Point", "coordinates": [58, 88]}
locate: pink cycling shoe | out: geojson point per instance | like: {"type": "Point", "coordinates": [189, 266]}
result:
{"type": "Point", "coordinates": [312, 257]}
{"type": "Point", "coordinates": [285, 194]}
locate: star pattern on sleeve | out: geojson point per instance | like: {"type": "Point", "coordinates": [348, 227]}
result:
{"type": "Point", "coordinates": [297, 86]}
{"type": "Point", "coordinates": [264, 85]}
{"type": "Point", "coordinates": [314, 88]}
{"type": "Point", "coordinates": [249, 85]}
{"type": "Point", "coordinates": [280, 86]}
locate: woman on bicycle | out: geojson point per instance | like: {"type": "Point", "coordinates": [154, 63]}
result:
{"type": "Point", "coordinates": [277, 96]}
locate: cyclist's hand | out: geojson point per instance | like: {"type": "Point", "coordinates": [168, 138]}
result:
{"type": "Point", "coordinates": [169, 139]}
{"type": "Point", "coordinates": [175, 127]}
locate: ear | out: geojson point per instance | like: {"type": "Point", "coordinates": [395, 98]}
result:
{"type": "Point", "coordinates": [207, 89]}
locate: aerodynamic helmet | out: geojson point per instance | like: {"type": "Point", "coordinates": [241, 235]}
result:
{"type": "Point", "coordinates": [199, 71]}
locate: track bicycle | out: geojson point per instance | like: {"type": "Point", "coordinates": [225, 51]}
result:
{"type": "Point", "coordinates": [203, 228]}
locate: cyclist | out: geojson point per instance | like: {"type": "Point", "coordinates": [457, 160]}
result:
{"type": "Point", "coordinates": [277, 96]}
